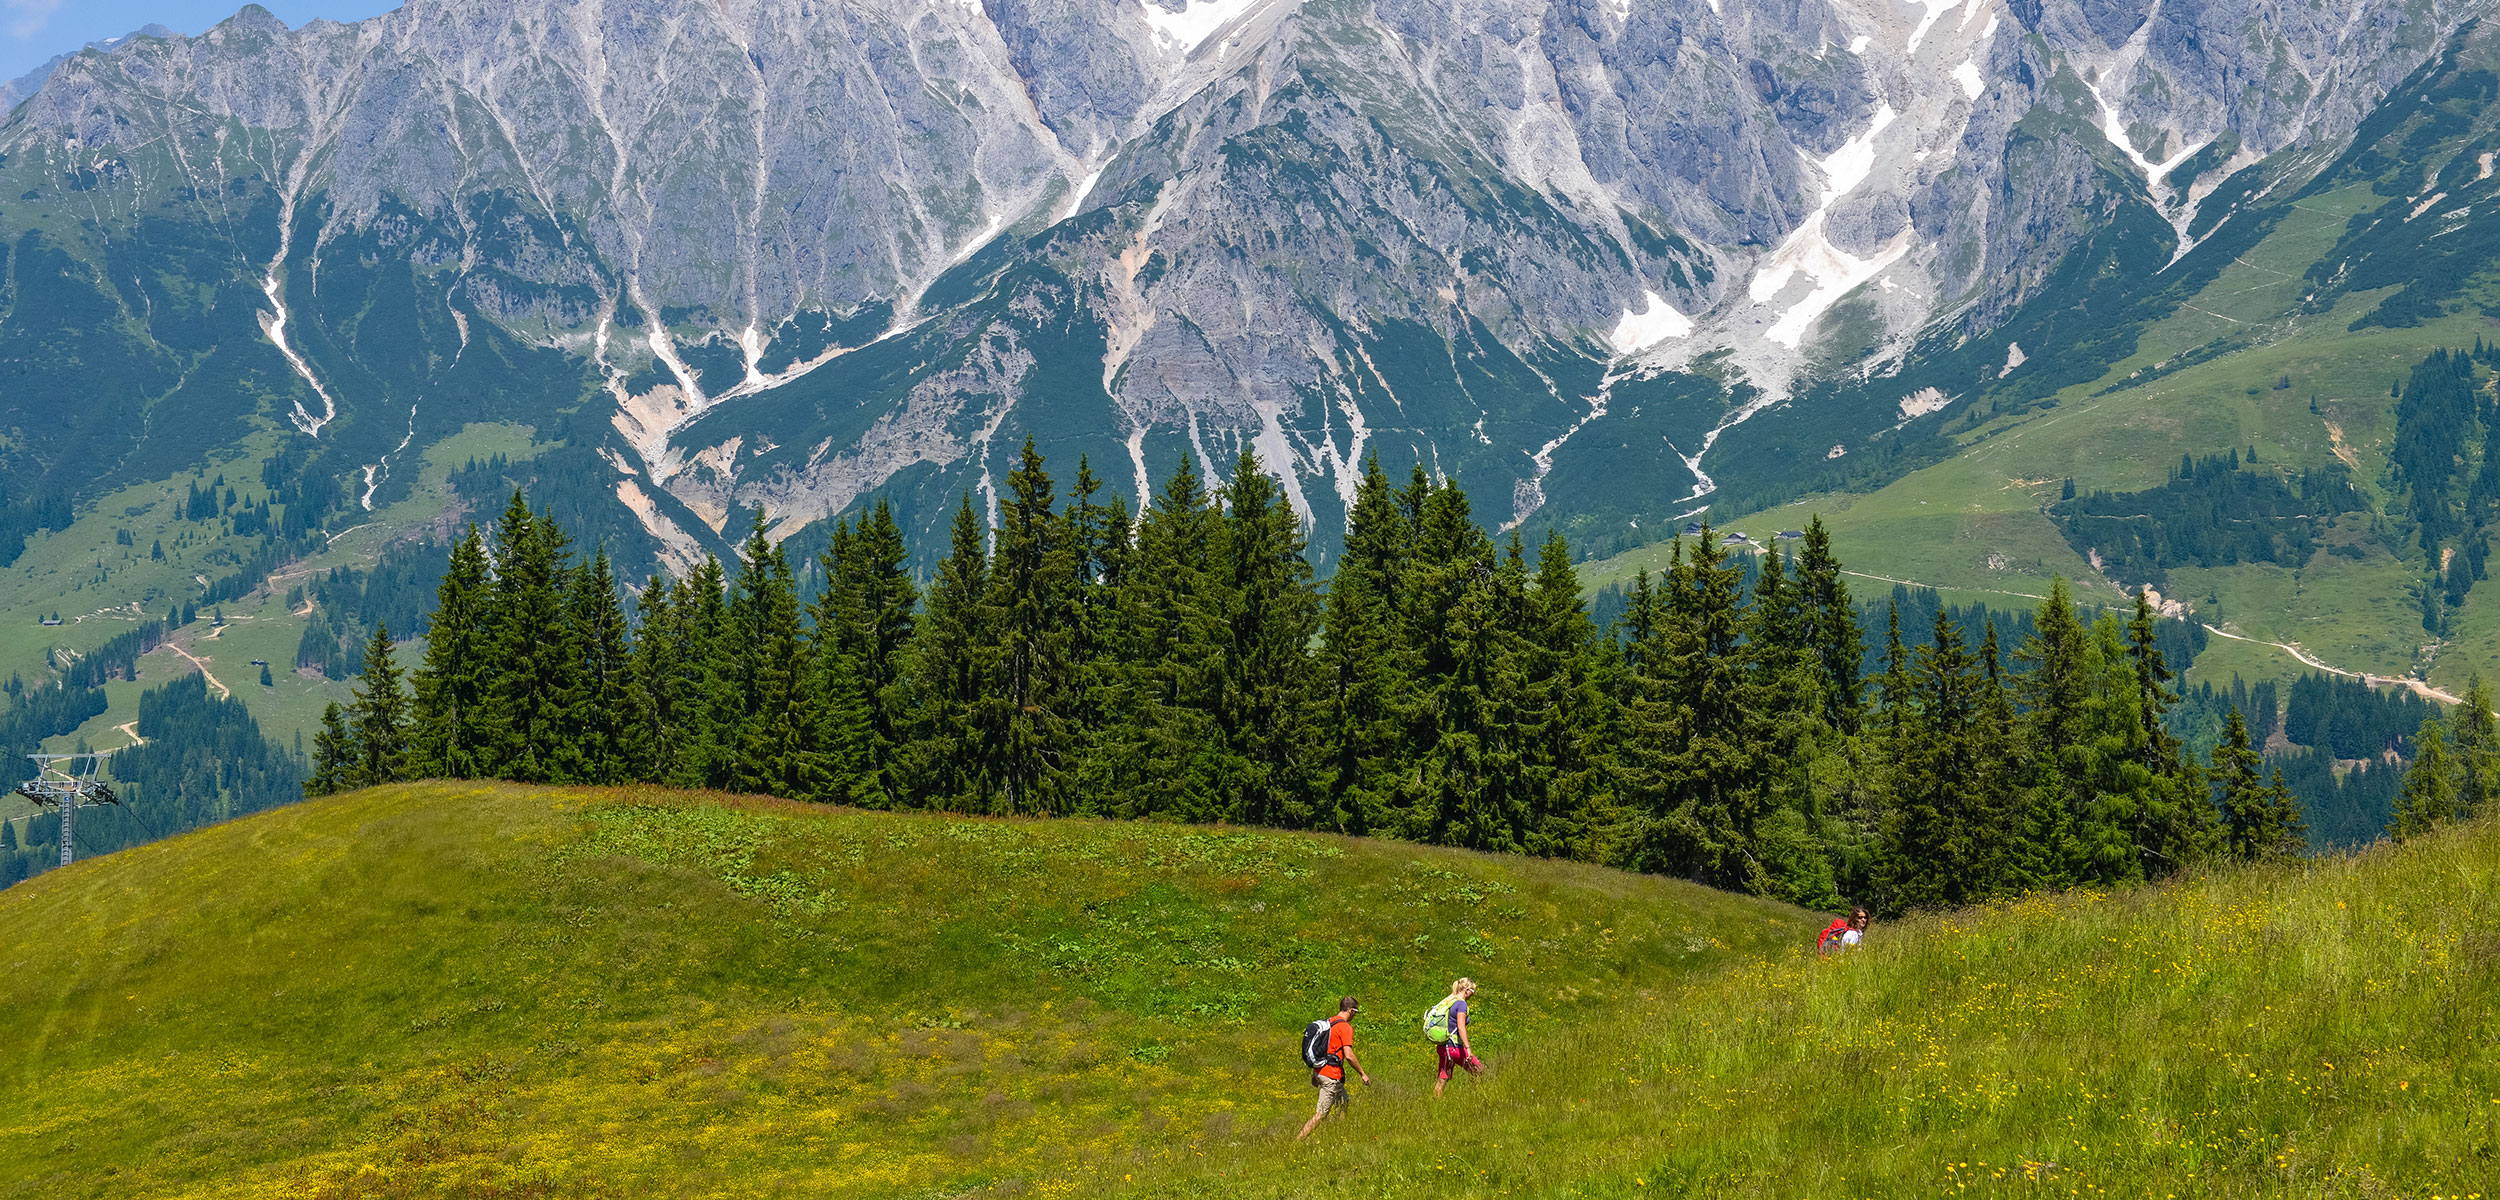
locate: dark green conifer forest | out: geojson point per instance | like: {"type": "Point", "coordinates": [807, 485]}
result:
{"type": "Point", "coordinates": [1070, 657]}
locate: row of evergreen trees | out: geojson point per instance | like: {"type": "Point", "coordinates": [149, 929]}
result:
{"type": "Point", "coordinates": [2211, 513]}
{"type": "Point", "coordinates": [2455, 773]}
{"type": "Point", "coordinates": [2448, 465]}
{"type": "Point", "coordinates": [1182, 663]}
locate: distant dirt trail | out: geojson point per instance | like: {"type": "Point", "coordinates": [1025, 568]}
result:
{"type": "Point", "coordinates": [1916, 584]}
{"type": "Point", "coordinates": [2416, 686]}
{"type": "Point", "coordinates": [223, 693]}
{"type": "Point", "coordinates": [130, 729]}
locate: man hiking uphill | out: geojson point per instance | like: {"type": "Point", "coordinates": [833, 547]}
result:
{"type": "Point", "coordinates": [1446, 1026]}
{"type": "Point", "coordinates": [1843, 934]}
{"type": "Point", "coordinates": [1328, 1053]}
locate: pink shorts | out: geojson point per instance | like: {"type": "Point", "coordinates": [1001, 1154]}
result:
{"type": "Point", "coordinates": [1451, 1058]}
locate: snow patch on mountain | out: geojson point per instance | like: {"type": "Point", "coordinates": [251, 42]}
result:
{"type": "Point", "coordinates": [2156, 174]}
{"type": "Point", "coordinates": [1656, 322]}
{"type": "Point", "coordinates": [1189, 28]}
{"type": "Point", "coordinates": [1809, 250]}
{"type": "Point", "coordinates": [1968, 76]}
{"type": "Point", "coordinates": [1935, 10]}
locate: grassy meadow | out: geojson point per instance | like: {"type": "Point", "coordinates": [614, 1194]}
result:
{"type": "Point", "coordinates": [2323, 1030]}
{"type": "Point", "coordinates": [495, 990]}
{"type": "Point", "coordinates": [483, 990]}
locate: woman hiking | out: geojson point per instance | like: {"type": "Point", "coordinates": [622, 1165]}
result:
{"type": "Point", "coordinates": [1446, 1025]}
{"type": "Point", "coordinates": [1842, 935]}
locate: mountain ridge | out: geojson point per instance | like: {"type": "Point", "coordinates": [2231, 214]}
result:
{"type": "Point", "coordinates": [1560, 196]}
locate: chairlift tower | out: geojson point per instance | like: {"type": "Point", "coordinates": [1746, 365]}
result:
{"type": "Point", "coordinates": [68, 782]}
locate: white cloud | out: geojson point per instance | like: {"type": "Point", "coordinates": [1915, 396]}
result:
{"type": "Point", "coordinates": [28, 17]}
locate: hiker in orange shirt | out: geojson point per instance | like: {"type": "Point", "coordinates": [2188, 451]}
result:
{"type": "Point", "coordinates": [1329, 1064]}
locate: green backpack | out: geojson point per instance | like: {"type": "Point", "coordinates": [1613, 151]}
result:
{"type": "Point", "coordinates": [1437, 1022]}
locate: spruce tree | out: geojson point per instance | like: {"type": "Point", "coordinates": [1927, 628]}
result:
{"type": "Point", "coordinates": [1649, 722]}
{"type": "Point", "coordinates": [836, 643]}
{"type": "Point", "coordinates": [2054, 685]}
{"type": "Point", "coordinates": [871, 597]}
{"type": "Point", "coordinates": [598, 750]}
{"type": "Point", "coordinates": [949, 672]}
{"type": "Point", "coordinates": [2000, 799]}
{"type": "Point", "coordinates": [454, 683]}
{"type": "Point", "coordinates": [657, 749]}
{"type": "Point", "coordinates": [2291, 826]}
{"type": "Point", "coordinates": [1095, 537]}
{"type": "Point", "coordinates": [1452, 621]}
{"type": "Point", "coordinates": [846, 721]}
{"type": "Point", "coordinates": [334, 755]}
{"type": "Point", "coordinates": [1933, 843]}
{"type": "Point", "coordinates": [1721, 785]}
{"type": "Point", "coordinates": [536, 657]}
{"type": "Point", "coordinates": [1161, 752]}
{"type": "Point", "coordinates": [1788, 730]}
{"type": "Point", "coordinates": [1565, 714]}
{"type": "Point", "coordinates": [1027, 742]}
{"type": "Point", "coordinates": [1273, 616]}
{"type": "Point", "coordinates": [2068, 836]}
{"type": "Point", "coordinates": [1479, 785]}
{"type": "Point", "coordinates": [1894, 689]}
{"type": "Point", "coordinates": [713, 701]}
{"type": "Point", "coordinates": [775, 740]}
{"type": "Point", "coordinates": [2175, 826]}
{"type": "Point", "coordinates": [2429, 798]}
{"type": "Point", "coordinates": [2245, 820]}
{"type": "Point", "coordinates": [2477, 734]}
{"type": "Point", "coordinates": [1362, 647]}
{"type": "Point", "coordinates": [2260, 820]}
{"type": "Point", "coordinates": [379, 717]}
{"type": "Point", "coordinates": [1830, 627]}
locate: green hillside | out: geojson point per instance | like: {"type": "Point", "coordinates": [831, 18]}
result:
{"type": "Point", "coordinates": [485, 989]}
{"type": "Point", "coordinates": [491, 990]}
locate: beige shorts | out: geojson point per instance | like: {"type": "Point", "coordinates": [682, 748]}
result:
{"type": "Point", "coordinates": [1332, 1094]}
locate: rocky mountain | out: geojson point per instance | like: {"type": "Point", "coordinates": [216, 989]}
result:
{"type": "Point", "coordinates": [1609, 260]}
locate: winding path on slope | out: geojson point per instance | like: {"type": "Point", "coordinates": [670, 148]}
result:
{"type": "Point", "coordinates": [2416, 686]}
{"type": "Point", "coordinates": [130, 729]}
{"type": "Point", "coordinates": [223, 693]}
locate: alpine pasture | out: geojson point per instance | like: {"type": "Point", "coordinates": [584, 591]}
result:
{"type": "Point", "coordinates": [495, 990]}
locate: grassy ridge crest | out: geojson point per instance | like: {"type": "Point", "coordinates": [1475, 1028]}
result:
{"type": "Point", "coordinates": [487, 989]}
{"type": "Point", "coordinates": [495, 990]}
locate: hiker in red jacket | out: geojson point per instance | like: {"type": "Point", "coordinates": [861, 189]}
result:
{"type": "Point", "coordinates": [1842, 935]}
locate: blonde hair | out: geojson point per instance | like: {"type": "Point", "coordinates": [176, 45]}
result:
{"type": "Point", "coordinates": [1463, 987]}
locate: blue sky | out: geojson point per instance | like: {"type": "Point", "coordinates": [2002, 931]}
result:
{"type": "Point", "coordinates": [34, 30]}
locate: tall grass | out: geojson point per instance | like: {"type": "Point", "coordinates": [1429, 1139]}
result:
{"type": "Point", "coordinates": [2319, 1030]}
{"type": "Point", "coordinates": [487, 990]}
